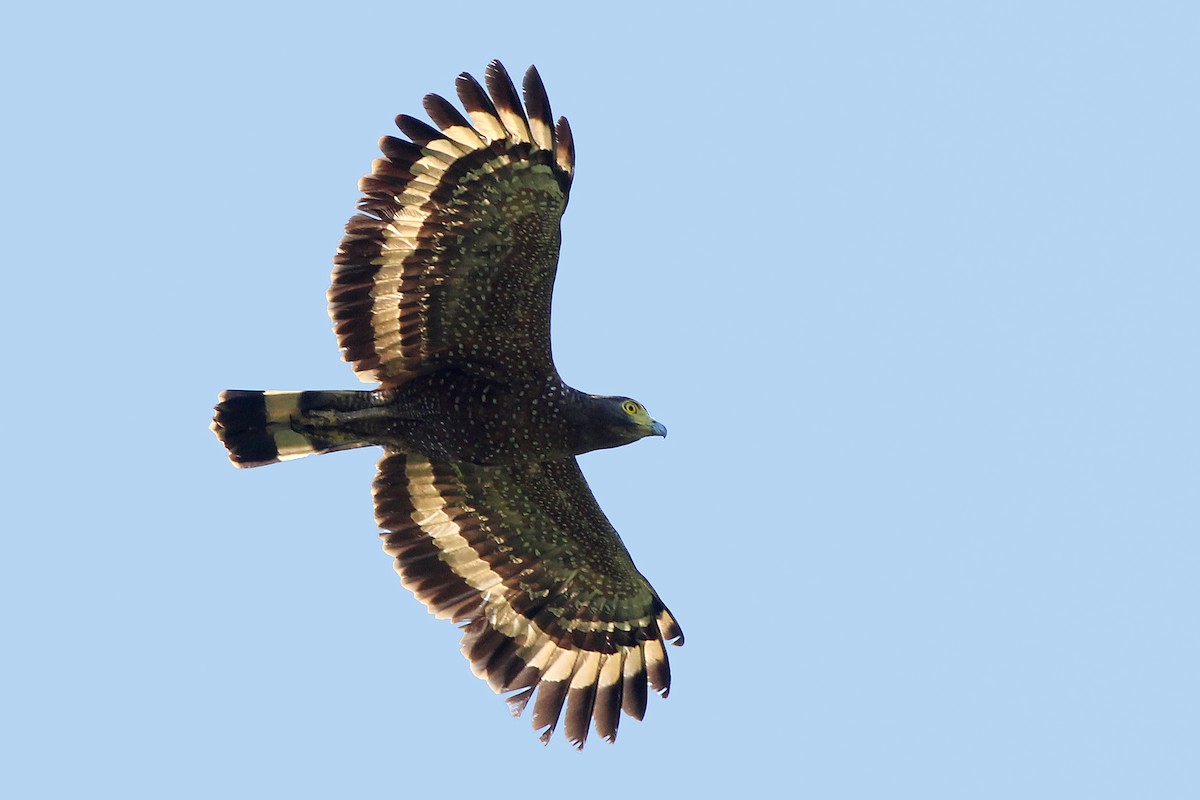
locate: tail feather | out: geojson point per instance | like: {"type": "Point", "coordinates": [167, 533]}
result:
{"type": "Point", "coordinates": [260, 428]}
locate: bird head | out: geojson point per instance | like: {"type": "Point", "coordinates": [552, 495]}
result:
{"type": "Point", "coordinates": [627, 420]}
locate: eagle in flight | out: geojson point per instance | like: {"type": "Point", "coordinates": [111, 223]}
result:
{"type": "Point", "coordinates": [441, 294]}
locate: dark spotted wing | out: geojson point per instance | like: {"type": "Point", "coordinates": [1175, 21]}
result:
{"type": "Point", "coordinates": [453, 255]}
{"type": "Point", "coordinates": [551, 599]}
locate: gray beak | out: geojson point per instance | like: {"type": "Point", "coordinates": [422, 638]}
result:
{"type": "Point", "coordinates": [658, 429]}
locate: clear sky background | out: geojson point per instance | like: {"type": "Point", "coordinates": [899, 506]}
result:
{"type": "Point", "coordinates": [914, 286]}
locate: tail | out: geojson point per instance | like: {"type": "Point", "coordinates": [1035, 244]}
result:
{"type": "Point", "coordinates": [260, 428]}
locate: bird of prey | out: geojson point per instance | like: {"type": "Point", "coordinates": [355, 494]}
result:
{"type": "Point", "coordinates": [441, 294]}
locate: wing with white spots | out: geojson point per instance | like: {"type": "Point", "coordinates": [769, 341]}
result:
{"type": "Point", "coordinates": [453, 255]}
{"type": "Point", "coordinates": [550, 596]}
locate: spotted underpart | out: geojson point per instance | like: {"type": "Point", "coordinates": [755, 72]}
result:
{"type": "Point", "coordinates": [441, 293]}
{"type": "Point", "coordinates": [551, 598]}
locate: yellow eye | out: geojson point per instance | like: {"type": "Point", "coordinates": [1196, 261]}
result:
{"type": "Point", "coordinates": [631, 408]}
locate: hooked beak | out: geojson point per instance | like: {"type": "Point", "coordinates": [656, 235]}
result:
{"type": "Point", "coordinates": [658, 429]}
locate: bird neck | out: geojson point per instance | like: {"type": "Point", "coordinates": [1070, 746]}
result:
{"type": "Point", "coordinates": [589, 425]}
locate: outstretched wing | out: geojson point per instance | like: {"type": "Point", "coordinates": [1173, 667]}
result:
{"type": "Point", "coordinates": [453, 256]}
{"type": "Point", "coordinates": [551, 599]}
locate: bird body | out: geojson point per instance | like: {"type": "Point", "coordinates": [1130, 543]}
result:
{"type": "Point", "coordinates": [541, 422]}
{"type": "Point", "coordinates": [441, 293]}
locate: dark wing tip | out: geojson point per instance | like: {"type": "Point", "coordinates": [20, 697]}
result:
{"type": "Point", "coordinates": [399, 151]}
{"type": "Point", "coordinates": [479, 106]}
{"type": "Point", "coordinates": [541, 125]}
{"type": "Point", "coordinates": [420, 132]}
{"type": "Point", "coordinates": [507, 102]}
{"type": "Point", "coordinates": [564, 147]}
{"type": "Point", "coordinates": [669, 628]}
{"type": "Point", "coordinates": [451, 120]}
{"type": "Point", "coordinates": [547, 708]}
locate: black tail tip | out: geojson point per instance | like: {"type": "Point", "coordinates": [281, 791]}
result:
{"type": "Point", "coordinates": [240, 422]}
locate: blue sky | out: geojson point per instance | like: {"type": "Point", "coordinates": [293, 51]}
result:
{"type": "Point", "coordinates": [914, 286]}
